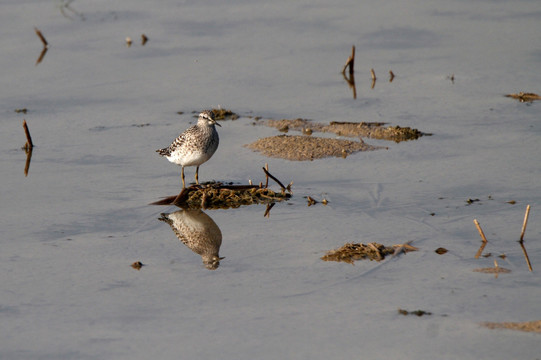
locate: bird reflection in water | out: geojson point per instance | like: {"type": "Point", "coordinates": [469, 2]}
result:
{"type": "Point", "coordinates": [199, 232]}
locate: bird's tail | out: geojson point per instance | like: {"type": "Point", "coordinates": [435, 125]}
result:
{"type": "Point", "coordinates": [164, 152]}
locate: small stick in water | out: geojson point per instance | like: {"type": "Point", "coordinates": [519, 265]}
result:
{"type": "Point", "coordinates": [41, 37]}
{"type": "Point", "coordinates": [266, 175]}
{"type": "Point", "coordinates": [480, 251]}
{"type": "Point", "coordinates": [29, 145]}
{"type": "Point", "coordinates": [526, 215]}
{"type": "Point", "coordinates": [275, 179]}
{"type": "Point", "coordinates": [373, 74]}
{"type": "Point", "coordinates": [350, 62]}
{"type": "Point", "coordinates": [480, 230]}
{"type": "Point", "coordinates": [521, 241]}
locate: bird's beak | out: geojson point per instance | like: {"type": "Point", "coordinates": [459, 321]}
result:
{"type": "Point", "coordinates": [218, 124]}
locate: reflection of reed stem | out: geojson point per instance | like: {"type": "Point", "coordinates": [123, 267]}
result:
{"type": "Point", "coordinates": [526, 255]}
{"type": "Point", "coordinates": [480, 251]}
{"type": "Point", "coordinates": [42, 55]}
{"type": "Point", "coordinates": [269, 207]}
{"type": "Point", "coordinates": [27, 165]}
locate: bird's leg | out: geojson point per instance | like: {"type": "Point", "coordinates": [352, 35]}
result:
{"type": "Point", "coordinates": [197, 175]}
{"type": "Point", "coordinates": [182, 174]}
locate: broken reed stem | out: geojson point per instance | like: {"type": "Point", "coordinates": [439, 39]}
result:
{"type": "Point", "coordinates": [521, 241]}
{"type": "Point", "coordinates": [526, 215]}
{"type": "Point", "coordinates": [373, 74]}
{"type": "Point", "coordinates": [350, 62]}
{"type": "Point", "coordinates": [29, 145]}
{"type": "Point", "coordinates": [275, 179]}
{"type": "Point", "coordinates": [41, 37]}
{"type": "Point", "coordinates": [480, 230]}
{"type": "Point", "coordinates": [266, 176]}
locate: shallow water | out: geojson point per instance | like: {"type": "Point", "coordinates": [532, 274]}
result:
{"type": "Point", "coordinates": [97, 110]}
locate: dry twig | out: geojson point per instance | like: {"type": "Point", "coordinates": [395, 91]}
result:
{"type": "Point", "coordinates": [373, 75]}
{"type": "Point", "coordinates": [521, 241]}
{"type": "Point", "coordinates": [350, 62]}
{"type": "Point", "coordinates": [480, 230]}
{"type": "Point", "coordinates": [275, 179]}
{"type": "Point", "coordinates": [41, 37]}
{"type": "Point", "coordinates": [480, 251]}
{"type": "Point", "coordinates": [526, 215]}
{"type": "Point", "coordinates": [29, 144]}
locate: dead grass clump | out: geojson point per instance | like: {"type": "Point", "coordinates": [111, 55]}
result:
{"type": "Point", "coordinates": [224, 198]}
{"type": "Point", "coordinates": [356, 251]}
{"type": "Point", "coordinates": [222, 114]}
{"type": "Point", "coordinates": [415, 312]}
{"type": "Point", "coordinates": [218, 196]}
{"type": "Point", "coordinates": [528, 326]}
{"type": "Point", "coordinates": [299, 148]}
{"type": "Point", "coordinates": [221, 196]}
{"type": "Point", "coordinates": [524, 97]}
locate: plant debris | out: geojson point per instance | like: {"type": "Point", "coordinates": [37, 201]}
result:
{"type": "Point", "coordinates": [137, 265]}
{"type": "Point", "coordinates": [223, 114]}
{"type": "Point", "coordinates": [222, 196]}
{"type": "Point", "coordinates": [493, 270]}
{"type": "Point", "coordinates": [416, 312]}
{"type": "Point", "coordinates": [528, 326]}
{"type": "Point", "coordinates": [524, 97]}
{"type": "Point", "coordinates": [299, 148]}
{"type": "Point", "coordinates": [441, 251]}
{"type": "Point", "coordinates": [374, 130]}
{"type": "Point", "coordinates": [358, 251]}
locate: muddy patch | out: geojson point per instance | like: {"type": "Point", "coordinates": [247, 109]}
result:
{"type": "Point", "coordinates": [299, 148]}
{"type": "Point", "coordinates": [528, 326]}
{"type": "Point", "coordinates": [373, 130]}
